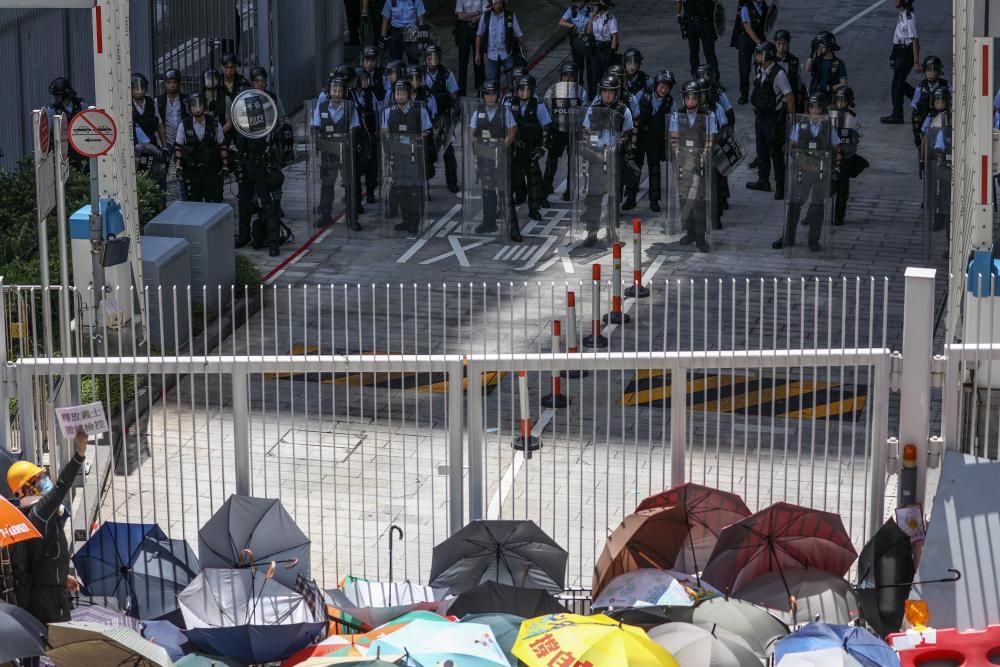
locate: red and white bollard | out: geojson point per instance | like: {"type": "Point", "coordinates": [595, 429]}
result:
{"type": "Point", "coordinates": [595, 340]}
{"type": "Point", "coordinates": [556, 399]}
{"type": "Point", "coordinates": [571, 347]}
{"type": "Point", "coordinates": [525, 442]}
{"type": "Point", "coordinates": [616, 316]}
{"type": "Point", "coordinates": [637, 291]}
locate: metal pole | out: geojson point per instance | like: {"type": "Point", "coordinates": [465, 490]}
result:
{"type": "Point", "coordinates": [456, 447]}
{"type": "Point", "coordinates": [880, 427]}
{"type": "Point", "coordinates": [26, 415]}
{"type": "Point", "coordinates": [66, 338]}
{"type": "Point", "coordinates": [475, 429]}
{"type": "Point", "coordinates": [678, 425]}
{"type": "Point", "coordinates": [96, 239]}
{"type": "Point", "coordinates": [241, 431]}
{"type": "Point", "coordinates": [915, 389]}
{"type": "Point", "coordinates": [4, 373]}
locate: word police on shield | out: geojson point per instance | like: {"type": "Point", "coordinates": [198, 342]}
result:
{"type": "Point", "coordinates": [92, 133]}
{"type": "Point", "coordinates": [88, 418]}
{"type": "Point", "coordinates": [255, 114]}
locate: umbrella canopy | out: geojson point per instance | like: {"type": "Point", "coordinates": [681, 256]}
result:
{"type": "Point", "coordinates": [501, 598]}
{"type": "Point", "coordinates": [380, 660]}
{"type": "Point", "coordinates": [648, 618]}
{"type": "Point", "coordinates": [885, 570]}
{"type": "Point", "coordinates": [756, 626]}
{"type": "Point", "coordinates": [828, 657]}
{"type": "Point", "coordinates": [14, 526]}
{"type": "Point", "coordinates": [861, 644]}
{"type": "Point", "coordinates": [696, 646]}
{"type": "Point", "coordinates": [781, 537]}
{"type": "Point", "coordinates": [246, 530]}
{"type": "Point", "coordinates": [652, 587]}
{"type": "Point", "coordinates": [429, 643]}
{"type": "Point", "coordinates": [73, 644]}
{"type": "Point", "coordinates": [23, 635]}
{"type": "Point", "coordinates": [137, 564]}
{"type": "Point", "coordinates": [817, 594]}
{"type": "Point", "coordinates": [647, 539]}
{"type": "Point", "coordinates": [167, 636]}
{"type": "Point", "coordinates": [505, 628]}
{"type": "Point", "coordinates": [247, 615]}
{"type": "Point", "coordinates": [706, 512]}
{"type": "Point", "coordinates": [571, 639]}
{"type": "Point", "coordinates": [104, 616]}
{"type": "Point", "coordinates": [207, 660]}
{"type": "Point", "coordinates": [509, 552]}
{"type": "Point", "coordinates": [373, 603]}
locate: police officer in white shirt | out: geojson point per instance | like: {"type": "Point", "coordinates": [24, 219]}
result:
{"type": "Point", "coordinates": [905, 56]}
{"type": "Point", "coordinates": [467, 15]}
{"type": "Point", "coordinates": [603, 27]}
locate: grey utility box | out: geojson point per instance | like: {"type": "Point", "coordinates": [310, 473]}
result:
{"type": "Point", "coordinates": [166, 263]}
{"type": "Point", "coordinates": [208, 228]}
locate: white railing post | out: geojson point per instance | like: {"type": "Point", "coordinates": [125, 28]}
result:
{"type": "Point", "coordinates": [241, 430]}
{"type": "Point", "coordinates": [879, 435]}
{"type": "Point", "coordinates": [4, 376]}
{"type": "Point", "coordinates": [951, 398]}
{"type": "Point", "coordinates": [678, 425]}
{"type": "Point", "coordinates": [474, 372]}
{"type": "Point", "coordinates": [918, 352]}
{"type": "Point", "coordinates": [456, 446]}
{"type": "Point", "coordinates": [30, 448]}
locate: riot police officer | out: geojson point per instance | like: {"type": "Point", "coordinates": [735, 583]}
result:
{"type": "Point", "coordinates": [828, 71]}
{"type": "Point", "coordinates": [405, 118]}
{"type": "Point", "coordinates": [200, 153]}
{"type": "Point", "coordinates": [145, 117]}
{"type": "Point", "coordinates": [697, 21]}
{"type": "Point", "coordinates": [655, 108]}
{"type": "Point", "coordinates": [936, 152]}
{"type": "Point", "coordinates": [374, 73]}
{"type": "Point", "coordinates": [561, 98]}
{"type": "Point", "coordinates": [441, 83]}
{"type": "Point", "coordinates": [397, 16]}
{"type": "Point", "coordinates": [636, 81]}
{"type": "Point", "coordinates": [172, 106]}
{"type": "Point", "coordinates": [366, 98]}
{"type": "Point", "coordinates": [258, 176]}
{"type": "Point", "coordinates": [214, 103]}
{"type": "Point", "coordinates": [336, 126]}
{"type": "Point", "coordinates": [692, 134]}
{"type": "Point", "coordinates": [420, 93]}
{"type": "Point", "coordinates": [748, 32]}
{"type": "Point", "coordinates": [793, 68]}
{"type": "Point", "coordinates": [581, 45]}
{"type": "Point", "coordinates": [845, 123]}
{"type": "Point", "coordinates": [259, 80]}
{"type": "Point", "coordinates": [716, 102]}
{"type": "Point", "coordinates": [532, 120]}
{"type": "Point", "coordinates": [232, 84]}
{"type": "Point", "coordinates": [395, 70]}
{"type": "Point", "coordinates": [491, 132]}
{"type": "Point", "coordinates": [65, 101]}
{"type": "Point", "coordinates": [921, 102]}
{"type": "Point", "coordinates": [772, 101]}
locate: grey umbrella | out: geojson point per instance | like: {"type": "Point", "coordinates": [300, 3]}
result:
{"type": "Point", "coordinates": [375, 603]}
{"type": "Point", "coordinates": [818, 594]}
{"type": "Point", "coordinates": [697, 646]}
{"type": "Point", "coordinates": [254, 531]}
{"type": "Point", "coordinates": [77, 643]}
{"type": "Point", "coordinates": [23, 634]}
{"type": "Point", "coordinates": [759, 628]}
{"type": "Point", "coordinates": [517, 553]}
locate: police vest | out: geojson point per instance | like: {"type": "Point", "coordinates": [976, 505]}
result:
{"type": "Point", "coordinates": [146, 120]}
{"type": "Point", "coordinates": [926, 93]}
{"type": "Point", "coordinates": [650, 122]}
{"type": "Point", "coordinates": [405, 122]}
{"type": "Point", "coordinates": [832, 79]}
{"type": "Point", "coordinates": [763, 98]}
{"type": "Point", "coordinates": [793, 70]}
{"type": "Point", "coordinates": [602, 122]}
{"type": "Point", "coordinates": [439, 89]}
{"type": "Point", "coordinates": [508, 31]}
{"type": "Point", "coordinates": [694, 142]}
{"type": "Point", "coordinates": [639, 83]}
{"type": "Point", "coordinates": [71, 109]}
{"type": "Point", "coordinates": [161, 105]}
{"type": "Point", "coordinates": [204, 151]}
{"type": "Point", "coordinates": [489, 129]}
{"type": "Point", "coordinates": [529, 130]}
{"type": "Point", "coordinates": [806, 139]}
{"type": "Point", "coordinates": [757, 21]}
{"type": "Point", "coordinates": [700, 9]}
{"type": "Point", "coordinates": [328, 124]}
{"type": "Point", "coordinates": [376, 85]}
{"type": "Point", "coordinates": [367, 106]}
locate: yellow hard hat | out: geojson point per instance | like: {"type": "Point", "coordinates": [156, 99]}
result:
{"type": "Point", "coordinates": [20, 474]}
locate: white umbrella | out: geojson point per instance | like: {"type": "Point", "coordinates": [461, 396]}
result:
{"type": "Point", "coordinates": [828, 657]}
{"type": "Point", "coordinates": [650, 587]}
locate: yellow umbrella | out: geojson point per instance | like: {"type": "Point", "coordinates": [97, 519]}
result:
{"type": "Point", "coordinates": [587, 641]}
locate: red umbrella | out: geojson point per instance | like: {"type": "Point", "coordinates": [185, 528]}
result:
{"type": "Point", "coordinates": [706, 512]}
{"type": "Point", "coordinates": [781, 537]}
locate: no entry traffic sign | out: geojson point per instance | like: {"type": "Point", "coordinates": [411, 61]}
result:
{"type": "Point", "coordinates": [92, 133]}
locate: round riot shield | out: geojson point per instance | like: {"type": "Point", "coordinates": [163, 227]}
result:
{"type": "Point", "coordinates": [772, 17]}
{"type": "Point", "coordinates": [808, 183]}
{"type": "Point", "coordinates": [719, 19]}
{"type": "Point", "coordinates": [486, 168]}
{"type": "Point", "coordinates": [597, 165]}
{"type": "Point", "coordinates": [692, 172]}
{"type": "Point", "coordinates": [254, 114]}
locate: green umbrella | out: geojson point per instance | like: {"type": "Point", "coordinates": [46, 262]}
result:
{"type": "Point", "coordinates": [505, 628]}
{"type": "Point", "coordinates": [81, 643]}
{"type": "Point", "coordinates": [206, 660]}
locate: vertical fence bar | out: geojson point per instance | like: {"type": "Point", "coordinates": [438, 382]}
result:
{"type": "Point", "coordinates": [915, 390]}
{"type": "Point", "coordinates": [879, 435]}
{"type": "Point", "coordinates": [474, 370]}
{"type": "Point", "coordinates": [4, 374]}
{"type": "Point", "coordinates": [241, 431]}
{"type": "Point", "coordinates": [456, 444]}
{"type": "Point", "coordinates": [678, 424]}
{"type": "Point", "coordinates": [951, 394]}
{"type": "Point", "coordinates": [30, 445]}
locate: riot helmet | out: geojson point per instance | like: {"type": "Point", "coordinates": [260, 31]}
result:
{"type": "Point", "coordinates": [941, 99]}
{"type": "Point", "coordinates": [692, 94]}
{"type": "Point", "coordinates": [490, 88]}
{"type": "Point", "coordinates": [402, 92]}
{"type": "Point", "coordinates": [432, 56]}
{"type": "Point", "coordinates": [609, 86]}
{"type": "Point", "coordinates": [666, 78]}
{"type": "Point", "coordinates": [633, 60]}
{"type": "Point", "coordinates": [568, 71]}
{"type": "Point", "coordinates": [708, 73]}
{"type": "Point", "coordinates": [172, 74]}
{"type": "Point", "coordinates": [844, 98]}
{"type": "Point", "coordinates": [618, 72]}
{"type": "Point", "coordinates": [139, 86]}
{"type": "Point", "coordinates": [393, 70]}
{"type": "Point", "coordinates": [210, 79]}
{"type": "Point", "coordinates": [230, 60]}
{"type": "Point", "coordinates": [782, 36]}
{"type": "Point", "coordinates": [61, 87]}
{"type": "Point", "coordinates": [362, 78]}
{"type": "Point", "coordinates": [196, 103]}
{"type": "Point", "coordinates": [704, 87]}
{"type": "Point", "coordinates": [933, 67]}
{"type": "Point", "coordinates": [415, 75]}
{"type": "Point", "coordinates": [766, 51]}
{"type": "Point", "coordinates": [336, 88]}
{"type": "Point", "coordinates": [818, 101]}
{"type": "Point", "coordinates": [527, 82]}
{"type": "Point", "coordinates": [369, 55]}
{"type": "Point", "coordinates": [346, 72]}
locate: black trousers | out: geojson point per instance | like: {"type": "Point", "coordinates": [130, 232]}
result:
{"type": "Point", "coordinates": [902, 63]}
{"type": "Point", "coordinates": [254, 188]}
{"type": "Point", "coordinates": [558, 144]}
{"type": "Point", "coordinates": [352, 8]}
{"type": "Point", "coordinates": [465, 40]}
{"type": "Point", "coordinates": [203, 184]}
{"type": "Point", "coordinates": [809, 189]}
{"type": "Point", "coordinates": [843, 186]}
{"type": "Point", "coordinates": [407, 198]}
{"type": "Point", "coordinates": [330, 171]}
{"type": "Point", "coordinates": [701, 37]}
{"type": "Point", "coordinates": [371, 165]}
{"type": "Point", "coordinates": [746, 48]}
{"type": "Point", "coordinates": [526, 175]}
{"type": "Point", "coordinates": [651, 151]}
{"type": "Point", "coordinates": [770, 130]}
{"type": "Point", "coordinates": [581, 53]}
{"type": "Point", "coordinates": [632, 158]}
{"type": "Point", "coordinates": [600, 60]}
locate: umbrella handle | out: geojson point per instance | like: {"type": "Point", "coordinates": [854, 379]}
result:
{"type": "Point", "coordinates": [246, 557]}
{"type": "Point", "coordinates": [946, 580]}
{"type": "Point", "coordinates": [393, 530]}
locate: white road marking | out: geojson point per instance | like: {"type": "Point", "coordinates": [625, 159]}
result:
{"type": "Point", "coordinates": [860, 15]}
{"type": "Point", "coordinates": [457, 251]}
{"type": "Point", "coordinates": [506, 484]}
{"type": "Point", "coordinates": [421, 242]}
{"type": "Point", "coordinates": [607, 330]}
{"type": "Point", "coordinates": [533, 259]}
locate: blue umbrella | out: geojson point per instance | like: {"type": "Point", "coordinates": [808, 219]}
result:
{"type": "Point", "coordinates": [137, 564]}
{"type": "Point", "coordinates": [167, 636]}
{"type": "Point", "coordinates": [861, 644]}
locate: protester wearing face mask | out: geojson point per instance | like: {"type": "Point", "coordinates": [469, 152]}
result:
{"type": "Point", "coordinates": [42, 579]}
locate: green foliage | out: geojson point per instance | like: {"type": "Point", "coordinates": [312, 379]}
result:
{"type": "Point", "coordinates": [113, 390]}
{"type": "Point", "coordinates": [247, 273]}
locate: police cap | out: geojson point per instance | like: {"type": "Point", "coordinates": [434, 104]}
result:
{"type": "Point", "coordinates": [395, 67]}
{"type": "Point", "coordinates": [616, 70]}
{"type": "Point", "coordinates": [60, 86]}
{"type": "Point", "coordinates": [517, 72]}
{"type": "Point", "coordinates": [196, 101]}
{"type": "Point", "coordinates": [403, 85]}
{"type": "Point", "coordinates": [414, 72]}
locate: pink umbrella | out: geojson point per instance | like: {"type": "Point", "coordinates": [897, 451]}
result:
{"type": "Point", "coordinates": [778, 538]}
{"type": "Point", "coordinates": [706, 511]}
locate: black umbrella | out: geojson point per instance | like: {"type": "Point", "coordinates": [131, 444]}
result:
{"type": "Point", "coordinates": [6, 461]}
{"type": "Point", "coordinates": [648, 618]}
{"type": "Point", "coordinates": [23, 635]}
{"type": "Point", "coordinates": [517, 553]}
{"type": "Point", "coordinates": [885, 572]}
{"type": "Point", "coordinates": [491, 597]}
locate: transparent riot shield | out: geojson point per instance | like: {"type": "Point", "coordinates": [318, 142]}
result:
{"type": "Point", "coordinates": [597, 169]}
{"type": "Point", "coordinates": [404, 170]}
{"type": "Point", "coordinates": [331, 183]}
{"type": "Point", "coordinates": [937, 187]}
{"type": "Point", "coordinates": [691, 164]}
{"type": "Point", "coordinates": [561, 98]}
{"type": "Point", "coordinates": [808, 184]}
{"type": "Point", "coordinates": [486, 195]}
